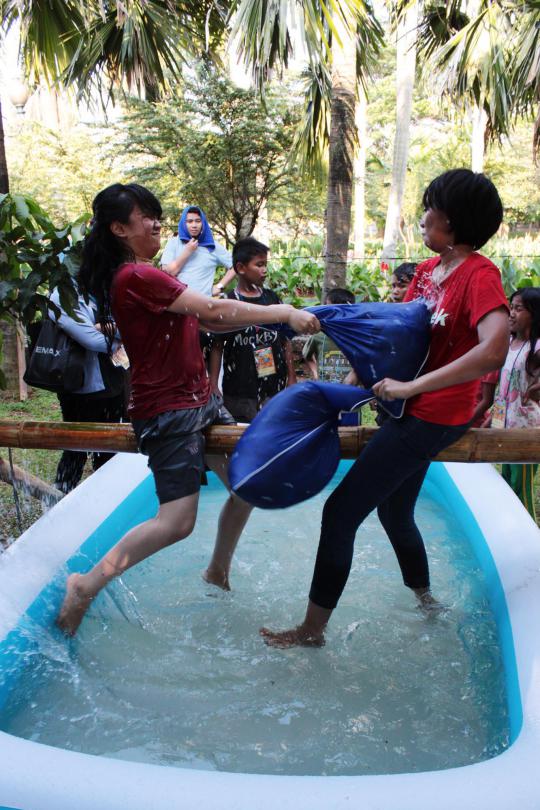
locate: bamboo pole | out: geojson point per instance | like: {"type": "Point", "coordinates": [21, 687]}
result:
{"type": "Point", "coordinates": [477, 445]}
{"type": "Point", "coordinates": [30, 484]}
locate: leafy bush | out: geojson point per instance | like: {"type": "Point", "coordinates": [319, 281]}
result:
{"type": "Point", "coordinates": [296, 279]}
{"type": "Point", "coordinates": [518, 273]}
{"type": "Point", "coordinates": [367, 281]}
{"type": "Point", "coordinates": [35, 258]}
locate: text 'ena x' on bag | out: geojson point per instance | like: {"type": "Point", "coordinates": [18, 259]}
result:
{"type": "Point", "coordinates": [57, 361]}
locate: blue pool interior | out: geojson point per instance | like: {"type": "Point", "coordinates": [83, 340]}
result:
{"type": "Point", "coordinates": [440, 486]}
{"type": "Point", "coordinates": [133, 509]}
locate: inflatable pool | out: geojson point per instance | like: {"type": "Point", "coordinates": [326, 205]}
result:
{"type": "Point", "coordinates": [35, 776]}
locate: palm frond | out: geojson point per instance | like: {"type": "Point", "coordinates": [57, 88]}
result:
{"type": "Point", "coordinates": [312, 139]}
{"type": "Point", "coordinates": [48, 31]}
{"type": "Point", "coordinates": [440, 22]}
{"type": "Point", "coordinates": [129, 43]}
{"type": "Point", "coordinates": [263, 29]}
{"type": "Point", "coordinates": [311, 142]}
{"type": "Point", "coordinates": [474, 61]}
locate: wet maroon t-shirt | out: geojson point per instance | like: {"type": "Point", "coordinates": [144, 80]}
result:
{"type": "Point", "coordinates": [167, 367]}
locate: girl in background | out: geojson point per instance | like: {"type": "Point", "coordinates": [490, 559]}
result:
{"type": "Point", "coordinates": [516, 401]}
{"type": "Point", "coordinates": [400, 281]}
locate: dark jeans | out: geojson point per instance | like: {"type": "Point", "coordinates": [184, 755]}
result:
{"type": "Point", "coordinates": [84, 408]}
{"type": "Point", "coordinates": [387, 476]}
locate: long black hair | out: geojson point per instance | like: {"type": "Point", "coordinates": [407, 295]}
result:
{"type": "Point", "coordinates": [530, 298]}
{"type": "Point", "coordinates": [471, 203]}
{"type": "Point", "coordinates": [103, 252]}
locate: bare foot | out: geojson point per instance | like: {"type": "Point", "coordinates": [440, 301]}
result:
{"type": "Point", "coordinates": [427, 601]}
{"type": "Point", "coordinates": [218, 577]}
{"type": "Point", "coordinates": [76, 603]}
{"type": "Point", "coordinates": [297, 637]}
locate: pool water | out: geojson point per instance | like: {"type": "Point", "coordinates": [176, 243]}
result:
{"type": "Point", "coordinates": [168, 670]}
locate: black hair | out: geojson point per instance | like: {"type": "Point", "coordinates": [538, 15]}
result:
{"type": "Point", "coordinates": [194, 210]}
{"type": "Point", "coordinates": [405, 271]}
{"type": "Point", "coordinates": [530, 297]}
{"type": "Point", "coordinates": [103, 252]}
{"type": "Point", "coordinates": [246, 249]}
{"type": "Point", "coordinates": [338, 295]}
{"type": "Point", "coordinates": [471, 203]}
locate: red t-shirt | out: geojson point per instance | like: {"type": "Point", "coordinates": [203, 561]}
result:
{"type": "Point", "coordinates": [461, 301]}
{"type": "Point", "coordinates": [167, 367]}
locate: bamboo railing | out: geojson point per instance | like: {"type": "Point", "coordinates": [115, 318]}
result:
{"type": "Point", "coordinates": [510, 445]}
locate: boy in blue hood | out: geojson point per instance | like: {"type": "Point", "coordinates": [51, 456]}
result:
{"type": "Point", "coordinates": [193, 256]}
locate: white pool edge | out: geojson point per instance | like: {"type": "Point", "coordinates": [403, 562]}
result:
{"type": "Point", "coordinates": [39, 777]}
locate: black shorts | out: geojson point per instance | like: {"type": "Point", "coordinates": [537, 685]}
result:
{"type": "Point", "coordinates": [174, 444]}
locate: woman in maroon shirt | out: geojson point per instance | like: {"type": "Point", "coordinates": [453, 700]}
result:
{"type": "Point", "coordinates": [171, 404]}
{"type": "Point", "coordinates": [469, 337]}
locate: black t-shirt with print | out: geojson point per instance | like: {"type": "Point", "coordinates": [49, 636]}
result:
{"type": "Point", "coordinates": [254, 364]}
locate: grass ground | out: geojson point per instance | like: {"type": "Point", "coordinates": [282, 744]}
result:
{"type": "Point", "coordinates": [43, 406]}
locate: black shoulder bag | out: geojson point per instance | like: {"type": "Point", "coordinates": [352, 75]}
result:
{"type": "Point", "coordinates": [57, 361]}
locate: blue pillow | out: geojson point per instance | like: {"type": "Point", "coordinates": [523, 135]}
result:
{"type": "Point", "coordinates": [291, 450]}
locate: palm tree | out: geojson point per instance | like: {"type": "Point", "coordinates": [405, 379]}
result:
{"type": "Point", "coordinates": [342, 39]}
{"type": "Point", "coordinates": [114, 47]}
{"type": "Point", "coordinates": [4, 176]}
{"type": "Point", "coordinates": [109, 47]}
{"type": "Point", "coordinates": [406, 31]}
{"type": "Point", "coordinates": [360, 175]}
{"type": "Point", "coordinates": [341, 151]}
{"type": "Point", "coordinates": [489, 54]}
{"type": "Point", "coordinates": [138, 46]}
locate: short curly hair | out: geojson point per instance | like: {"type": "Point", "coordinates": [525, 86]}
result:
{"type": "Point", "coordinates": [471, 203]}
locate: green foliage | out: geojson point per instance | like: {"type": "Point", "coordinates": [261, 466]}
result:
{"type": "Point", "coordinates": [114, 45]}
{"type": "Point", "coordinates": [440, 139]}
{"type": "Point", "coordinates": [296, 279]}
{"type": "Point", "coordinates": [35, 258]}
{"type": "Point", "coordinates": [299, 280]}
{"type": "Point", "coordinates": [367, 281]}
{"type": "Point", "coordinates": [518, 273]}
{"type": "Point", "coordinates": [307, 247]}
{"type": "Point", "coordinates": [62, 169]}
{"type": "Point", "coordinates": [217, 146]}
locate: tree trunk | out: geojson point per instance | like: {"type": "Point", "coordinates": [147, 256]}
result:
{"type": "Point", "coordinates": [13, 357]}
{"type": "Point", "coordinates": [341, 157]}
{"type": "Point", "coordinates": [360, 176]}
{"type": "Point", "coordinates": [478, 139]}
{"type": "Point", "coordinates": [4, 177]}
{"type": "Point", "coordinates": [405, 70]}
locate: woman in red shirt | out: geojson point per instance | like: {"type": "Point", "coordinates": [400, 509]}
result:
{"type": "Point", "coordinates": [469, 337]}
{"type": "Point", "coordinates": [171, 403]}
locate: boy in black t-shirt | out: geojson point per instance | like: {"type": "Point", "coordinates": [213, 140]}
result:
{"type": "Point", "coordinates": [257, 361]}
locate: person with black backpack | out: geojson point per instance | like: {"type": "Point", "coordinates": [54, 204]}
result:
{"type": "Point", "coordinates": [102, 396]}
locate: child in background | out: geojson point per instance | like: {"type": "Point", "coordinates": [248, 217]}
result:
{"type": "Point", "coordinates": [257, 361]}
{"type": "Point", "coordinates": [401, 278]}
{"type": "Point", "coordinates": [325, 361]}
{"type": "Point", "coordinates": [321, 355]}
{"type": "Point", "coordinates": [516, 401]}
{"type": "Point", "coordinates": [486, 394]}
